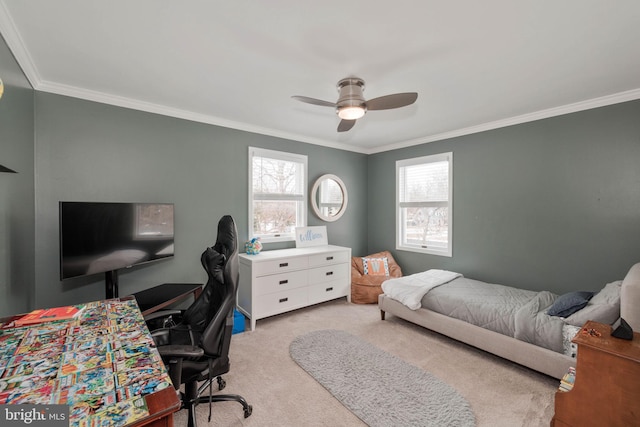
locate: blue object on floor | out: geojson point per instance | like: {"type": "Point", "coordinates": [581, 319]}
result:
{"type": "Point", "coordinates": [238, 322]}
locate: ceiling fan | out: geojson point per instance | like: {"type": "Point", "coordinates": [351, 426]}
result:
{"type": "Point", "coordinates": [351, 104]}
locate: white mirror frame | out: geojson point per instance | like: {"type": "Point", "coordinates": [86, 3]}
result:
{"type": "Point", "coordinates": [314, 202]}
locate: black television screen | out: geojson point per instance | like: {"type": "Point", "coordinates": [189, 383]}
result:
{"type": "Point", "coordinates": [99, 237]}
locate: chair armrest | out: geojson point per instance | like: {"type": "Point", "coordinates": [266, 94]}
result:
{"type": "Point", "coordinates": [160, 314]}
{"type": "Point", "coordinates": [181, 351]}
{"type": "Point", "coordinates": [161, 337]}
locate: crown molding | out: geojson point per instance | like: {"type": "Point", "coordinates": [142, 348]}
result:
{"type": "Point", "coordinates": [120, 101]}
{"type": "Point", "coordinates": [617, 98]}
{"type": "Point", "coordinates": [124, 102]}
{"type": "Point", "coordinates": [16, 45]}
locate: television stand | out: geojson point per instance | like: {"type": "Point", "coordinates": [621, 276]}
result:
{"type": "Point", "coordinates": [111, 284]}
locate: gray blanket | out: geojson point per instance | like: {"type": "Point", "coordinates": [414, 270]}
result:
{"type": "Point", "coordinates": [509, 311]}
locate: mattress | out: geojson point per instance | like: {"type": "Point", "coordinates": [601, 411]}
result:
{"type": "Point", "coordinates": [487, 305]}
{"type": "Point", "coordinates": [509, 311]}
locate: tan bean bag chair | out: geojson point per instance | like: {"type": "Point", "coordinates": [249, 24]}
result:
{"type": "Point", "coordinates": [366, 280]}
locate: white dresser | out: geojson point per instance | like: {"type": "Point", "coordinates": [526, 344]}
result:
{"type": "Point", "coordinates": [274, 282]}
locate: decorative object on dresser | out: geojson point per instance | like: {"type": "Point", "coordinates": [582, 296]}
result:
{"type": "Point", "coordinates": [366, 285]}
{"type": "Point", "coordinates": [253, 247]}
{"type": "Point", "coordinates": [311, 236]}
{"type": "Point", "coordinates": [606, 390]}
{"type": "Point", "coordinates": [274, 282]}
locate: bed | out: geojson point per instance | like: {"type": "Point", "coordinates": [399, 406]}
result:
{"type": "Point", "coordinates": [491, 316]}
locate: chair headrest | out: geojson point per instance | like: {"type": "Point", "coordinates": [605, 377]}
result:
{"type": "Point", "coordinates": [226, 241]}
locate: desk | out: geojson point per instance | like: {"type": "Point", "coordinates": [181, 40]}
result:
{"type": "Point", "coordinates": [101, 364]}
{"type": "Point", "coordinates": [161, 296]}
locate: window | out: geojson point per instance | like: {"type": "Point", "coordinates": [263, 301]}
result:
{"type": "Point", "coordinates": [277, 194]}
{"type": "Point", "coordinates": [424, 204]}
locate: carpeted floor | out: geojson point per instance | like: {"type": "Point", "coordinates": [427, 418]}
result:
{"type": "Point", "coordinates": [283, 394]}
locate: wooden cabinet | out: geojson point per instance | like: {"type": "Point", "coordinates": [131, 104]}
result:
{"type": "Point", "coordinates": [274, 282]}
{"type": "Point", "coordinates": [606, 391]}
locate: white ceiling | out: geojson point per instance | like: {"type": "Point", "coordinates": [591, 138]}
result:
{"type": "Point", "coordinates": [476, 65]}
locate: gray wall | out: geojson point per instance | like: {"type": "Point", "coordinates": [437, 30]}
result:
{"type": "Point", "coordinates": [96, 152]}
{"type": "Point", "coordinates": [553, 204]}
{"type": "Point", "coordinates": [16, 190]}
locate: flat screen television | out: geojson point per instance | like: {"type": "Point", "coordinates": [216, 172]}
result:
{"type": "Point", "coordinates": [102, 237]}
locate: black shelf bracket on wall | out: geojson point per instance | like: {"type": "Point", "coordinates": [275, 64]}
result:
{"type": "Point", "coordinates": [6, 169]}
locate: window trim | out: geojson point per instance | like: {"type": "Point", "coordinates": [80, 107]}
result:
{"type": "Point", "coordinates": [448, 251]}
{"type": "Point", "coordinates": [279, 155]}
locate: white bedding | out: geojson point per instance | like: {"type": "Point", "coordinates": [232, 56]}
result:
{"type": "Point", "coordinates": [409, 290]}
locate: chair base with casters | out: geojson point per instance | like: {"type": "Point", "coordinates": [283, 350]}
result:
{"type": "Point", "coordinates": [193, 395]}
{"type": "Point", "coordinates": [186, 366]}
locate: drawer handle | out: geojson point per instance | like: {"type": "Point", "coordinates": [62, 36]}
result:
{"type": "Point", "coordinates": [329, 289]}
{"type": "Point", "coordinates": [284, 264]}
{"type": "Point", "coordinates": [283, 282]}
{"type": "Point", "coordinates": [284, 299]}
{"type": "Point", "coordinates": [329, 273]}
{"type": "Point", "coordinates": [329, 258]}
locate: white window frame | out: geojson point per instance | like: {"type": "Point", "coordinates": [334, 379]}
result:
{"type": "Point", "coordinates": [401, 243]}
{"type": "Point", "coordinates": [302, 198]}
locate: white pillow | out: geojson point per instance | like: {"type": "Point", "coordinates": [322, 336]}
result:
{"type": "Point", "coordinates": [604, 307]}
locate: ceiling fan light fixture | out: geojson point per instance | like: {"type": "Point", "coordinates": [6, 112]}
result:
{"type": "Point", "coordinates": [351, 104]}
{"type": "Point", "coordinates": [351, 112]}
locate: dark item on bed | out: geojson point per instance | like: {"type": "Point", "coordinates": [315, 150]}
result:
{"type": "Point", "coordinates": [569, 303]}
{"type": "Point", "coordinates": [365, 288]}
{"type": "Point", "coordinates": [604, 307]}
{"type": "Point", "coordinates": [621, 329]}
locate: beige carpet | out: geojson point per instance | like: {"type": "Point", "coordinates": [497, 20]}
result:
{"type": "Point", "coordinates": [283, 394]}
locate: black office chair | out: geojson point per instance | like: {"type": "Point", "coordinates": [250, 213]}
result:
{"type": "Point", "coordinates": [196, 347]}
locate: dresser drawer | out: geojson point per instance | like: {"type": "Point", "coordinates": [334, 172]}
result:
{"type": "Point", "coordinates": [327, 291]}
{"type": "Point", "coordinates": [280, 265]}
{"type": "Point", "coordinates": [328, 258]}
{"type": "Point", "coordinates": [280, 302]}
{"type": "Point", "coordinates": [329, 273]}
{"type": "Point", "coordinates": [280, 282]}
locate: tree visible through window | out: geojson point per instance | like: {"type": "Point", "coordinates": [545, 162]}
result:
{"type": "Point", "coordinates": [277, 194]}
{"type": "Point", "coordinates": [424, 204]}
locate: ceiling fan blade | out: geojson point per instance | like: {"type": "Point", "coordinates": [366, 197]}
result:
{"type": "Point", "coordinates": [314, 101]}
{"type": "Point", "coordinates": [388, 102]}
{"type": "Point", "coordinates": [345, 125]}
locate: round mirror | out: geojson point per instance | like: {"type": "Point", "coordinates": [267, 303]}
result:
{"type": "Point", "coordinates": [329, 197]}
